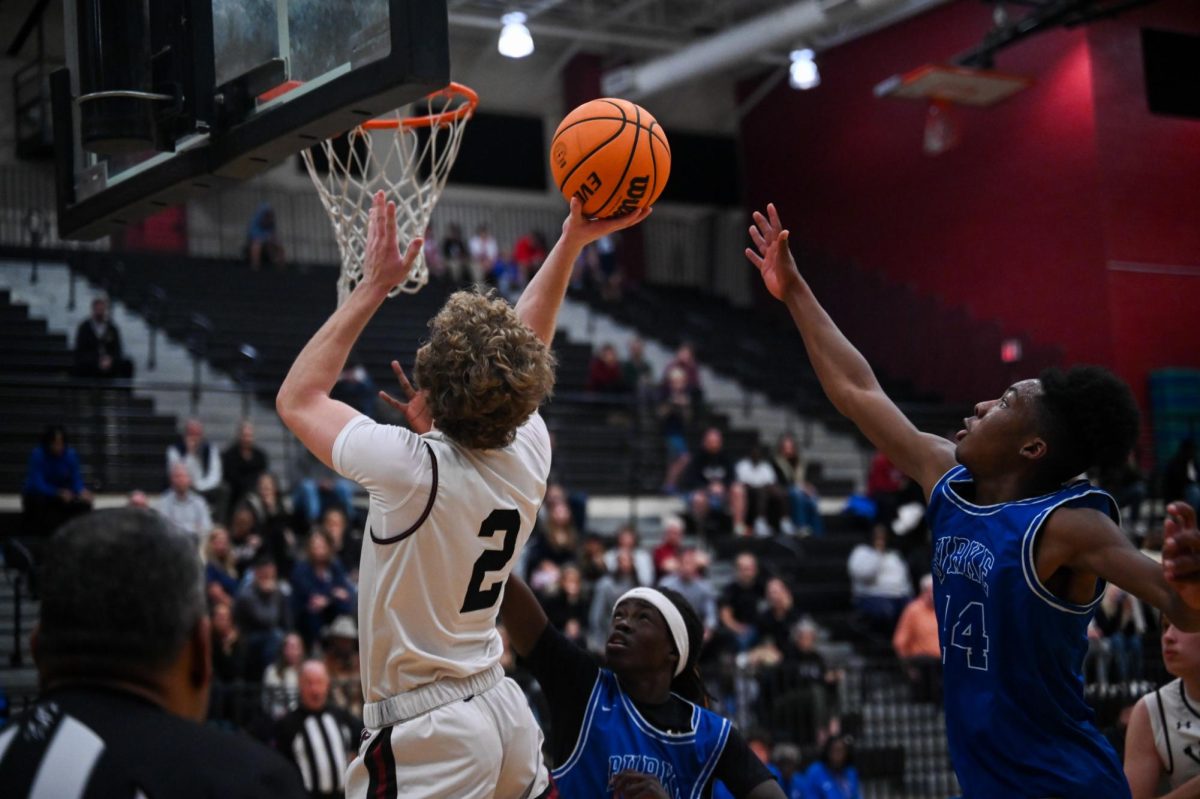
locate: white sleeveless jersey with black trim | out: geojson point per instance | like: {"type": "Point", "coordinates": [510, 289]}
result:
{"type": "Point", "coordinates": [1175, 722]}
{"type": "Point", "coordinates": [444, 529]}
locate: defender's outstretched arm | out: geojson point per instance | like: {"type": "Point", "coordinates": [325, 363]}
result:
{"type": "Point", "coordinates": [844, 374]}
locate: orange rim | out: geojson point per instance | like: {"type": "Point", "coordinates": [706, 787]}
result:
{"type": "Point", "coordinates": [466, 94]}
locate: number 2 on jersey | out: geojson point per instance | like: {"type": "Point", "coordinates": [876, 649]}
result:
{"type": "Point", "coordinates": [492, 560]}
{"type": "Point", "coordinates": [970, 634]}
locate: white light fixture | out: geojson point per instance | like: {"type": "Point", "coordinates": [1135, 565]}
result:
{"type": "Point", "coordinates": [515, 41]}
{"type": "Point", "coordinates": [803, 73]}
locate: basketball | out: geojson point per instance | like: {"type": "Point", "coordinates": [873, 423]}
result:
{"type": "Point", "coordinates": [611, 154]}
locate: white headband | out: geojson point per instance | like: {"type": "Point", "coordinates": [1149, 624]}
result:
{"type": "Point", "coordinates": [671, 613]}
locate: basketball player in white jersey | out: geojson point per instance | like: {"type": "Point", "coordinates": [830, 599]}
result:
{"type": "Point", "coordinates": [453, 500]}
{"type": "Point", "coordinates": [1163, 739]}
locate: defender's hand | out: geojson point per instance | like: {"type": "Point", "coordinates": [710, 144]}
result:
{"type": "Point", "coordinates": [1181, 552]}
{"type": "Point", "coordinates": [773, 258]}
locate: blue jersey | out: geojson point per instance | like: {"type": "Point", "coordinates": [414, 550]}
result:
{"type": "Point", "coordinates": [1012, 652]}
{"type": "Point", "coordinates": [615, 737]}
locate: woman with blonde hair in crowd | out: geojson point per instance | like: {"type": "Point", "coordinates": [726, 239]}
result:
{"type": "Point", "coordinates": [220, 568]}
{"type": "Point", "coordinates": [281, 679]}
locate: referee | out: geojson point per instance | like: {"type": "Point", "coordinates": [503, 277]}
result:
{"type": "Point", "coordinates": [319, 737]}
{"type": "Point", "coordinates": [122, 648]}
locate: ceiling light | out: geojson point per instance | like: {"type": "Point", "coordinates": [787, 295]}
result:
{"type": "Point", "coordinates": [803, 73]}
{"type": "Point", "coordinates": [515, 41]}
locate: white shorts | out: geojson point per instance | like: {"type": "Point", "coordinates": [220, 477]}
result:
{"type": "Point", "coordinates": [483, 746]}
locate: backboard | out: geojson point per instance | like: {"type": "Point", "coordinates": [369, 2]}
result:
{"type": "Point", "coordinates": [171, 99]}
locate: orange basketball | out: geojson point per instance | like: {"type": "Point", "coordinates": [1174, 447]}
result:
{"type": "Point", "coordinates": [612, 155]}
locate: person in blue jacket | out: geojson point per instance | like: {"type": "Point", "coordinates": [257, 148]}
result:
{"type": "Point", "coordinates": [53, 491]}
{"type": "Point", "coordinates": [834, 775]}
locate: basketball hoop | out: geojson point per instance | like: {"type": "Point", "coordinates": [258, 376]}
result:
{"type": "Point", "coordinates": [409, 159]}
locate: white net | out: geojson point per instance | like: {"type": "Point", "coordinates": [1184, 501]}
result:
{"type": "Point", "coordinates": [408, 158]}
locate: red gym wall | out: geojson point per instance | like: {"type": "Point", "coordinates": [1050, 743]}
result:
{"type": "Point", "coordinates": [1039, 217]}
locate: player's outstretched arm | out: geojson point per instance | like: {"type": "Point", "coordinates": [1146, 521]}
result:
{"type": "Point", "coordinates": [303, 401]}
{"type": "Point", "coordinates": [539, 303]}
{"type": "Point", "coordinates": [1089, 542]}
{"type": "Point", "coordinates": [522, 616]}
{"type": "Point", "coordinates": [844, 374]}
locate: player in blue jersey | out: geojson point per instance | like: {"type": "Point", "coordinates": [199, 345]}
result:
{"type": "Point", "coordinates": [637, 729]}
{"type": "Point", "coordinates": [1021, 553]}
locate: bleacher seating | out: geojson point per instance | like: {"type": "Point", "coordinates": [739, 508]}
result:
{"type": "Point", "coordinates": [119, 437]}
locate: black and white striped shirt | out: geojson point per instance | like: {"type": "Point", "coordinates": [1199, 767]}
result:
{"type": "Point", "coordinates": [93, 743]}
{"type": "Point", "coordinates": [321, 745]}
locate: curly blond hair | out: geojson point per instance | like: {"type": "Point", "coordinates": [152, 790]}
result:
{"type": "Point", "coordinates": [485, 372]}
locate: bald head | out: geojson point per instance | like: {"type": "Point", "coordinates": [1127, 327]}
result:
{"type": "Point", "coordinates": [314, 685]}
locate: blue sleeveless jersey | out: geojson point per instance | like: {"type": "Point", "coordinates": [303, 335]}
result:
{"type": "Point", "coordinates": [614, 737]}
{"type": "Point", "coordinates": [1012, 652]}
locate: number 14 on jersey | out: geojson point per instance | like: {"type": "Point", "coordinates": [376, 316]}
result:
{"type": "Point", "coordinates": [968, 635]}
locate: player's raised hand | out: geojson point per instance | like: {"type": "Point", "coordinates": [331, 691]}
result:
{"type": "Point", "coordinates": [1181, 552]}
{"type": "Point", "coordinates": [771, 254]}
{"type": "Point", "coordinates": [416, 410]}
{"type": "Point", "coordinates": [382, 262]}
{"type": "Point", "coordinates": [580, 231]}
{"type": "Point", "coordinates": [636, 785]}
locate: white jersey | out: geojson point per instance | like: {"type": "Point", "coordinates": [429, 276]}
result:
{"type": "Point", "coordinates": [444, 529]}
{"type": "Point", "coordinates": [1176, 725]}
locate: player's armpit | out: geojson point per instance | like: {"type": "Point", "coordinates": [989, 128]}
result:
{"type": "Point", "coordinates": [1088, 542]}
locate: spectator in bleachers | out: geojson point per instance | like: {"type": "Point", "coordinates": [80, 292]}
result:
{"type": "Point", "coordinates": [1121, 619]}
{"type": "Point", "coordinates": [228, 659]}
{"type": "Point", "coordinates": [138, 499]}
{"type": "Point", "coordinates": [879, 581]}
{"type": "Point", "coordinates": [685, 359]}
{"type": "Point", "coordinates": [592, 561]}
{"type": "Point", "coordinates": [220, 568]}
{"type": "Point", "coordinates": [242, 464]}
{"type": "Point", "coordinates": [1127, 483]}
{"type": "Point", "coordinates": [317, 488]}
{"type": "Point", "coordinates": [203, 462]}
{"type": "Point", "coordinates": [263, 613]}
{"type": "Point", "coordinates": [916, 644]}
{"type": "Point", "coordinates": [262, 244]}
{"type": "Point", "coordinates": [643, 561]}
{"type": "Point", "coordinates": [53, 491]}
{"type": "Point", "coordinates": [676, 412]}
{"type": "Point", "coordinates": [804, 516]}
{"type": "Point", "coordinates": [182, 506]}
{"type": "Point", "coordinates": [799, 689]}
{"type": "Point", "coordinates": [431, 251]}
{"type": "Point", "coordinates": [355, 387]}
{"type": "Point", "coordinates": [281, 679]}
{"type": "Point", "coordinates": [786, 757]}
{"type": "Point", "coordinates": [1181, 475]}
{"type": "Point", "coordinates": [98, 349]}
{"type": "Point", "coordinates": [740, 602]}
{"type": "Point", "coordinates": [342, 661]}
{"type": "Point", "coordinates": [346, 543]}
{"type": "Point", "coordinates": [706, 521]}
{"type": "Point", "coordinates": [604, 372]}
{"type": "Point", "coordinates": [764, 495]}
{"type": "Point", "coordinates": [557, 540]}
{"type": "Point", "coordinates": [884, 482]}
{"type": "Point", "coordinates": [456, 255]}
{"type": "Point", "coordinates": [569, 607]}
{"type": "Point", "coordinates": [666, 554]}
{"type": "Point", "coordinates": [608, 589]}
{"type": "Point", "coordinates": [639, 374]}
{"type": "Point", "coordinates": [608, 272]}
{"type": "Point", "coordinates": [834, 776]}
{"type": "Point", "coordinates": [759, 743]}
{"type": "Point", "coordinates": [485, 252]}
{"type": "Point", "coordinates": [777, 618]}
{"type": "Point", "coordinates": [274, 519]}
{"type": "Point", "coordinates": [528, 254]}
{"type": "Point", "coordinates": [710, 474]}
{"type": "Point", "coordinates": [697, 589]}
{"type": "Point", "coordinates": [245, 537]}
{"type": "Point", "coordinates": [321, 591]}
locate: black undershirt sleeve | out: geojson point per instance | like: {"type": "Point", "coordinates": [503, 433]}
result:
{"type": "Point", "coordinates": [739, 768]}
{"type": "Point", "coordinates": [567, 675]}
